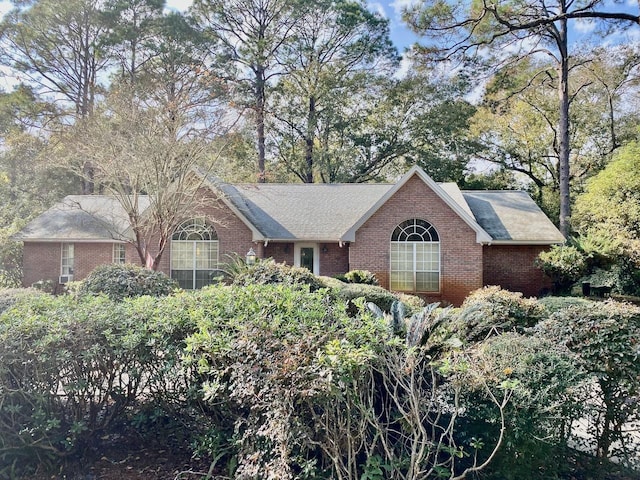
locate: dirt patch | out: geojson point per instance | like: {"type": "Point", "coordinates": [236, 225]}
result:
{"type": "Point", "coordinates": [128, 461]}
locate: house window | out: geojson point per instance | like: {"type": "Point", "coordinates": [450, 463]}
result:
{"type": "Point", "coordinates": [119, 255]}
{"type": "Point", "coordinates": [67, 262]}
{"type": "Point", "coordinates": [194, 254]}
{"type": "Point", "coordinates": [415, 257]}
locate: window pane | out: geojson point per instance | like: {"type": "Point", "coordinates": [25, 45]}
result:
{"type": "Point", "coordinates": [181, 255]}
{"type": "Point", "coordinates": [184, 278]}
{"type": "Point", "coordinates": [427, 282]}
{"type": "Point", "coordinates": [67, 261]}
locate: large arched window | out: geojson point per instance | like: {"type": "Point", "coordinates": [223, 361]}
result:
{"type": "Point", "coordinates": [194, 254]}
{"type": "Point", "coordinates": [415, 257]}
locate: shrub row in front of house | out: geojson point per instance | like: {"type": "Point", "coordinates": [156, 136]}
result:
{"type": "Point", "coordinates": [277, 381]}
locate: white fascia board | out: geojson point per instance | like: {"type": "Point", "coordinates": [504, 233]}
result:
{"type": "Point", "coordinates": [526, 242]}
{"type": "Point", "coordinates": [482, 236]}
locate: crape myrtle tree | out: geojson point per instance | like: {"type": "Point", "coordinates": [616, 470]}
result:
{"type": "Point", "coordinates": [152, 135]}
{"type": "Point", "coordinates": [468, 28]}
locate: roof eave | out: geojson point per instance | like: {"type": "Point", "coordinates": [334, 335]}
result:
{"type": "Point", "coordinates": [256, 235]}
{"type": "Point", "coordinates": [527, 242]}
{"type": "Point", "coordinates": [70, 240]}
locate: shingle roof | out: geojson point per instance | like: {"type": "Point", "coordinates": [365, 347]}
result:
{"type": "Point", "coordinates": [512, 217]}
{"type": "Point", "coordinates": [304, 211]}
{"type": "Point", "coordinates": [82, 218]}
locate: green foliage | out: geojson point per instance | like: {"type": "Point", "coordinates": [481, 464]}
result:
{"type": "Point", "coordinates": [257, 355]}
{"type": "Point", "coordinates": [565, 264]}
{"type": "Point", "coordinates": [371, 293]}
{"type": "Point", "coordinates": [610, 204]}
{"type": "Point", "coordinates": [544, 402]}
{"type": "Point", "coordinates": [10, 296]}
{"type": "Point", "coordinates": [491, 311]}
{"type": "Point", "coordinates": [122, 281]}
{"type": "Point", "coordinates": [604, 338]}
{"type": "Point", "coordinates": [265, 272]}
{"type": "Point", "coordinates": [359, 276]}
{"type": "Point", "coordinates": [71, 369]}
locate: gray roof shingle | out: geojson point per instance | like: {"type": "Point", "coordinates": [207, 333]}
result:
{"type": "Point", "coordinates": [301, 212]}
{"type": "Point", "coordinates": [82, 218]}
{"type": "Point", "coordinates": [512, 216]}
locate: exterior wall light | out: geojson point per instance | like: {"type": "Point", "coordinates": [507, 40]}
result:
{"type": "Point", "coordinates": [251, 257]}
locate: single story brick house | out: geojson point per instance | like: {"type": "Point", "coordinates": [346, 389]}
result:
{"type": "Point", "coordinates": [416, 235]}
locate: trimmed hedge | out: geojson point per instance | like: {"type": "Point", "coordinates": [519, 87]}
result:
{"type": "Point", "coordinates": [123, 281]}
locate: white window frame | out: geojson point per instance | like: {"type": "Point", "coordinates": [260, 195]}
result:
{"type": "Point", "coordinates": [414, 268]}
{"type": "Point", "coordinates": [194, 243]}
{"type": "Point", "coordinates": [316, 255]}
{"type": "Point", "coordinates": [67, 259]}
{"type": "Point", "coordinates": [119, 253]}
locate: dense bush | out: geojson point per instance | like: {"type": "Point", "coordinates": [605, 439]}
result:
{"type": "Point", "coordinates": [268, 271]}
{"type": "Point", "coordinates": [10, 296]}
{"type": "Point", "coordinates": [491, 311]}
{"type": "Point", "coordinates": [565, 264]}
{"type": "Point", "coordinates": [122, 281]}
{"type": "Point", "coordinates": [371, 293]}
{"type": "Point", "coordinates": [359, 276]}
{"type": "Point", "coordinates": [605, 339]}
{"type": "Point", "coordinates": [70, 370]}
{"type": "Point", "coordinates": [537, 421]}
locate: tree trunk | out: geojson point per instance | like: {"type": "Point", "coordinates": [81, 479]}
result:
{"type": "Point", "coordinates": [311, 128]}
{"type": "Point", "coordinates": [260, 102]}
{"type": "Point", "coordinates": [563, 129]}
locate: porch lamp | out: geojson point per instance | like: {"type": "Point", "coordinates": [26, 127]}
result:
{"type": "Point", "coordinates": [251, 257]}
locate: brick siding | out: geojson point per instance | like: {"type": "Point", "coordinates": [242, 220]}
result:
{"type": "Point", "coordinates": [512, 267]}
{"type": "Point", "coordinates": [460, 256]}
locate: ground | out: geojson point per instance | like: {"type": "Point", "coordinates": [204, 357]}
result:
{"type": "Point", "coordinates": [129, 461]}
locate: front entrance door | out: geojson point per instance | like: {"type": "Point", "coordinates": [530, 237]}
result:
{"type": "Point", "coordinates": [306, 256]}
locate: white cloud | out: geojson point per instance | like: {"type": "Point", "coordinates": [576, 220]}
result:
{"type": "Point", "coordinates": [584, 26]}
{"type": "Point", "coordinates": [180, 5]}
{"type": "Point", "coordinates": [405, 66]}
{"type": "Point", "coordinates": [5, 6]}
{"type": "Point", "coordinates": [399, 5]}
{"type": "Point", "coordinates": [378, 8]}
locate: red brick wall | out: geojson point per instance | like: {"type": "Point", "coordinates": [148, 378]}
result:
{"type": "Point", "coordinates": [280, 252]}
{"type": "Point", "coordinates": [512, 267]}
{"type": "Point", "coordinates": [460, 256]}
{"type": "Point", "coordinates": [41, 261]}
{"type": "Point", "coordinates": [335, 260]}
{"type": "Point", "coordinates": [332, 262]}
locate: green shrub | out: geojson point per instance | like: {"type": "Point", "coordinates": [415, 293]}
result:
{"type": "Point", "coordinates": [565, 264]}
{"type": "Point", "coordinates": [268, 271]}
{"type": "Point", "coordinates": [371, 293]}
{"type": "Point", "coordinates": [543, 403]}
{"type": "Point", "coordinates": [10, 296]}
{"type": "Point", "coordinates": [122, 281]}
{"type": "Point", "coordinates": [605, 339]}
{"type": "Point", "coordinates": [555, 304]}
{"type": "Point", "coordinates": [72, 369]}
{"type": "Point", "coordinates": [491, 310]}
{"type": "Point", "coordinates": [359, 276]}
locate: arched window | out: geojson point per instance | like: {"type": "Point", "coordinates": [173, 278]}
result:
{"type": "Point", "coordinates": [194, 254]}
{"type": "Point", "coordinates": [415, 257]}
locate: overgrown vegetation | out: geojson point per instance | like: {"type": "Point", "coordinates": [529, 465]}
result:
{"type": "Point", "coordinates": [278, 380]}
